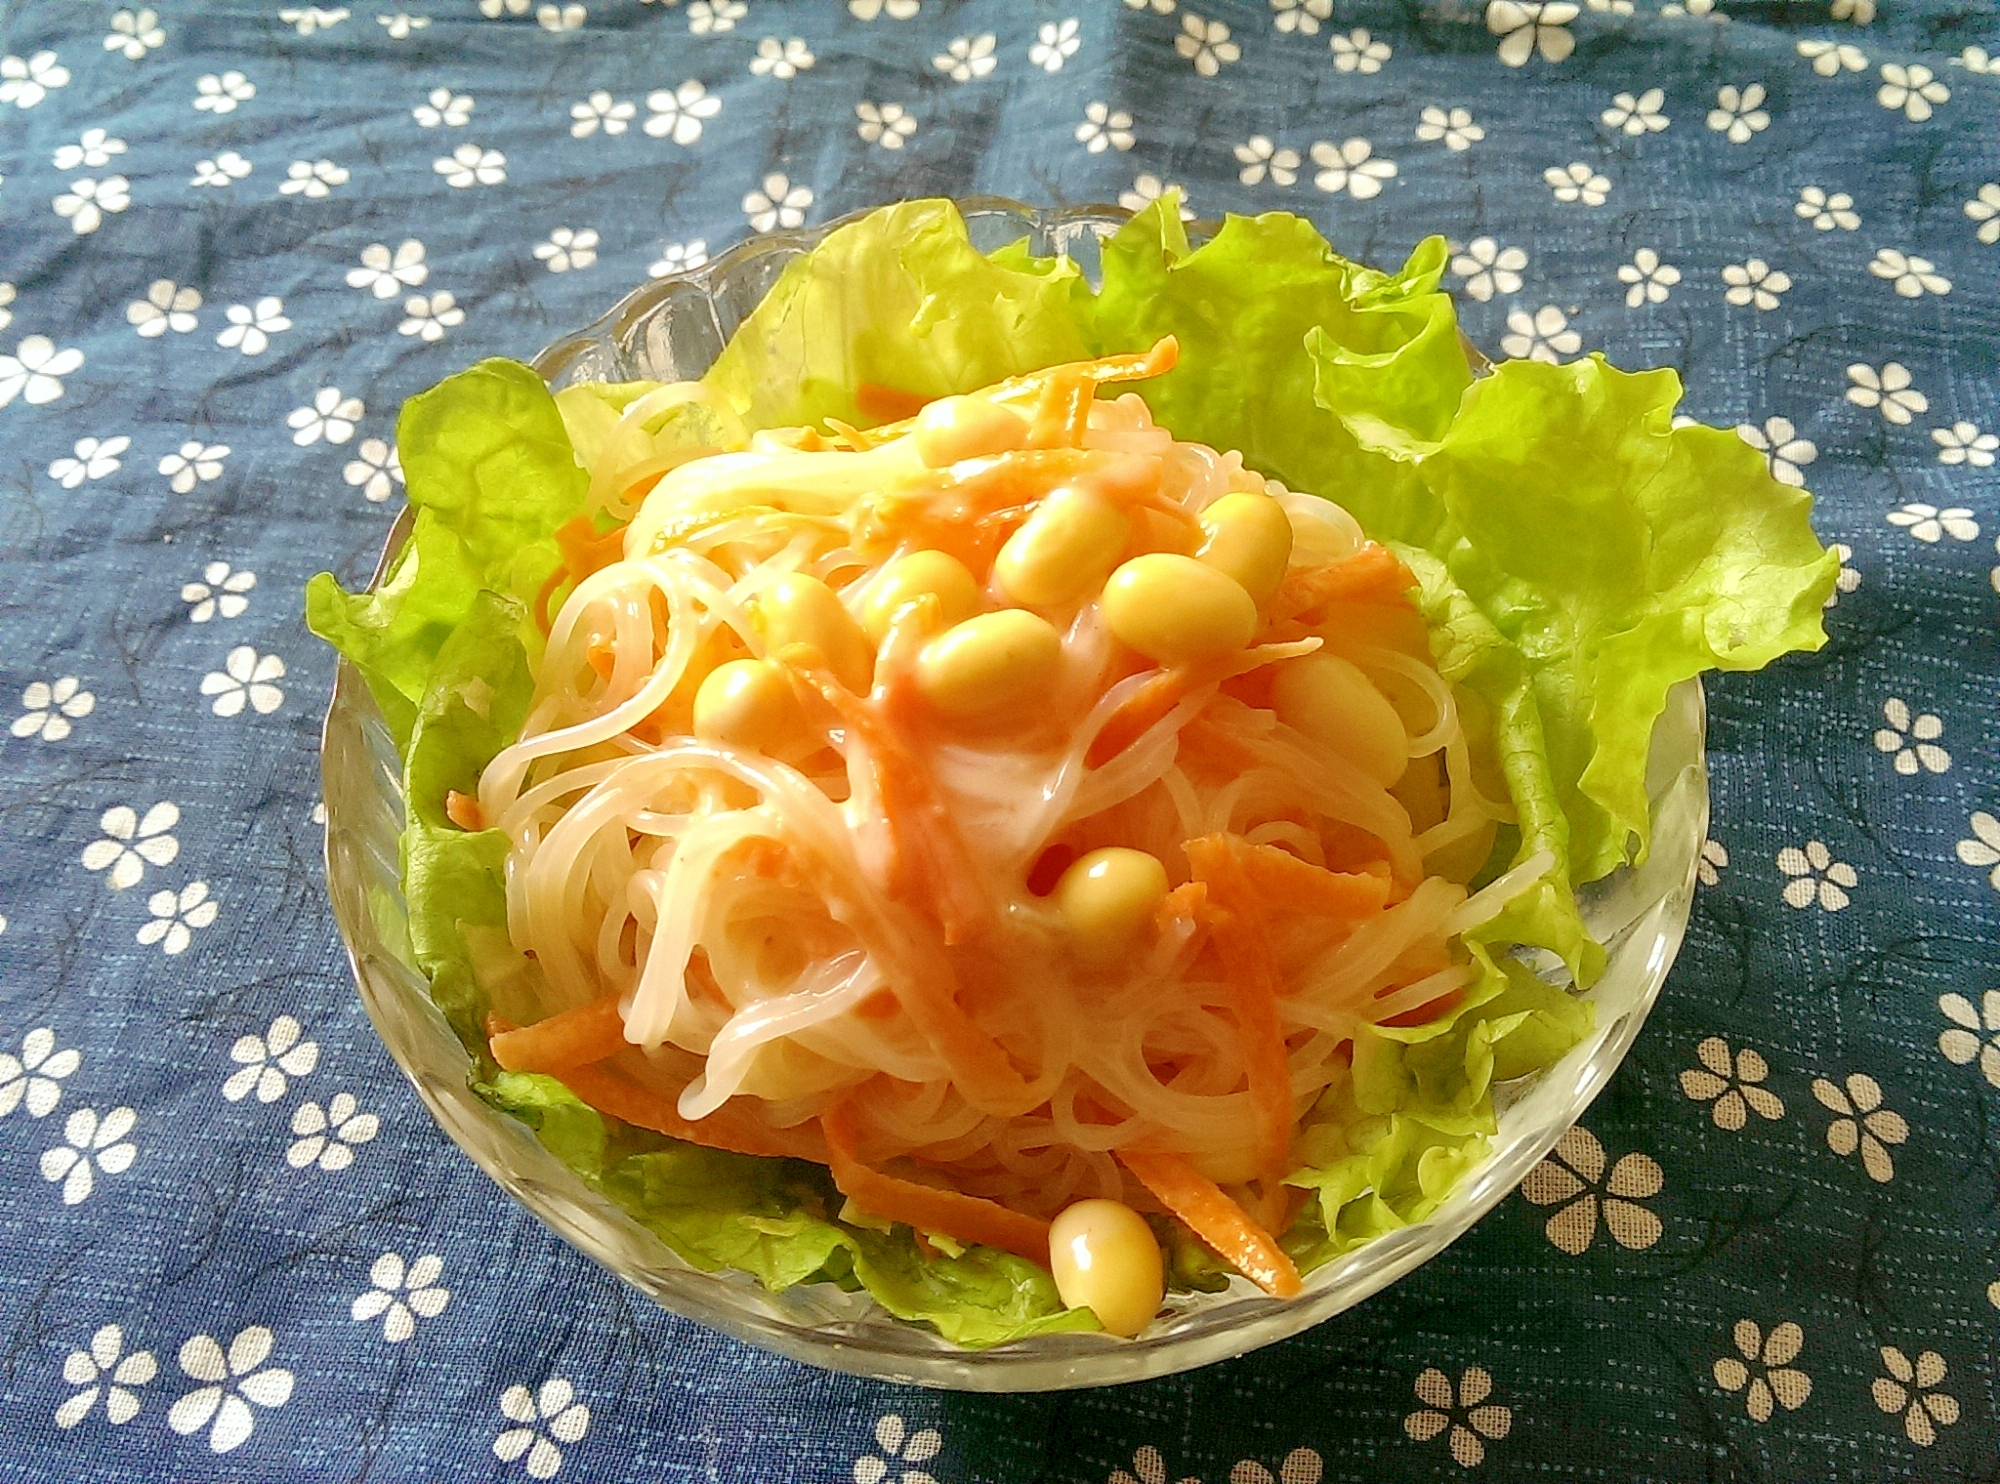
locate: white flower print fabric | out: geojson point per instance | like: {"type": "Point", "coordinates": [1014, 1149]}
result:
{"type": "Point", "coordinates": [237, 1248]}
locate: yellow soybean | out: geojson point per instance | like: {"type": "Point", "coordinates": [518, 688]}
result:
{"type": "Point", "coordinates": [798, 609]}
{"type": "Point", "coordinates": [1062, 551]}
{"type": "Point", "coordinates": [1106, 896]}
{"type": "Point", "coordinates": [1331, 701]}
{"type": "Point", "coordinates": [1175, 610]}
{"type": "Point", "coordinates": [908, 578]}
{"type": "Point", "coordinates": [989, 665]}
{"type": "Point", "coordinates": [1106, 1259]}
{"type": "Point", "coordinates": [954, 428]}
{"type": "Point", "coordinates": [749, 704]}
{"type": "Point", "coordinates": [1248, 536]}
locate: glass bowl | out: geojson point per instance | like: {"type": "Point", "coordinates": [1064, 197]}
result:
{"type": "Point", "coordinates": [673, 328]}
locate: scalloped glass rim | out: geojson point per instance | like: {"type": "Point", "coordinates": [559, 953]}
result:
{"type": "Point", "coordinates": [672, 327]}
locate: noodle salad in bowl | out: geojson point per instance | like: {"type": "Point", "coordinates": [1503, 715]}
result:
{"type": "Point", "coordinates": [1024, 797]}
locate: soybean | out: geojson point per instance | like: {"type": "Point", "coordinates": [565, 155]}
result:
{"type": "Point", "coordinates": [954, 428]}
{"type": "Point", "coordinates": [1248, 536]}
{"type": "Point", "coordinates": [1062, 551]}
{"type": "Point", "coordinates": [749, 704]}
{"type": "Point", "coordinates": [1331, 701]}
{"type": "Point", "coordinates": [989, 665]}
{"type": "Point", "coordinates": [1106, 1259]}
{"type": "Point", "coordinates": [934, 573]}
{"type": "Point", "coordinates": [1176, 610]}
{"type": "Point", "coordinates": [1105, 897]}
{"type": "Point", "coordinates": [798, 609]}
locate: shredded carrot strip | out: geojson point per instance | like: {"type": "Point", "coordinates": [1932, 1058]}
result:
{"type": "Point", "coordinates": [603, 657]}
{"type": "Point", "coordinates": [1374, 574]}
{"type": "Point", "coordinates": [1236, 924]}
{"type": "Point", "coordinates": [610, 1093]}
{"type": "Point", "coordinates": [887, 404]}
{"type": "Point", "coordinates": [933, 864]}
{"type": "Point", "coordinates": [1291, 884]}
{"type": "Point", "coordinates": [933, 872]}
{"type": "Point", "coordinates": [850, 436]}
{"type": "Point", "coordinates": [1163, 356]}
{"type": "Point", "coordinates": [1140, 710]}
{"type": "Point", "coordinates": [463, 810]}
{"type": "Point", "coordinates": [1182, 905]}
{"type": "Point", "coordinates": [548, 590]}
{"type": "Point", "coordinates": [570, 1039]}
{"type": "Point", "coordinates": [1216, 1219]}
{"type": "Point", "coordinates": [963, 1218]}
{"type": "Point", "coordinates": [585, 549]}
{"type": "Point", "coordinates": [893, 408]}
{"type": "Point", "coordinates": [1063, 412]}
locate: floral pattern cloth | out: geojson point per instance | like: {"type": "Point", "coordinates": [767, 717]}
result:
{"type": "Point", "coordinates": [237, 236]}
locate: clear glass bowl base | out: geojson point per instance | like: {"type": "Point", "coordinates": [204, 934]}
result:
{"type": "Point", "coordinates": [672, 329]}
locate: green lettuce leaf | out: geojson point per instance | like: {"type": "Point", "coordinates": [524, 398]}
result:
{"type": "Point", "coordinates": [454, 880]}
{"type": "Point", "coordinates": [1578, 555]}
{"type": "Point", "coordinates": [1267, 314]}
{"type": "Point", "coordinates": [900, 299]}
{"type": "Point", "coordinates": [487, 453]}
{"type": "Point", "coordinates": [491, 475]}
{"type": "Point", "coordinates": [1391, 1138]}
{"type": "Point", "coordinates": [1614, 556]}
{"type": "Point", "coordinates": [770, 1218]}
{"type": "Point", "coordinates": [394, 633]}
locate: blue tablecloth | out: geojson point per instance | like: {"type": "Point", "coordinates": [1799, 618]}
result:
{"type": "Point", "coordinates": [233, 1246]}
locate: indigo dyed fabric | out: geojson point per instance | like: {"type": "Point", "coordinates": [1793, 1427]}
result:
{"type": "Point", "coordinates": [233, 238]}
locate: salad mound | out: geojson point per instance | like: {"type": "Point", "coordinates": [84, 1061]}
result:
{"type": "Point", "coordinates": [995, 747]}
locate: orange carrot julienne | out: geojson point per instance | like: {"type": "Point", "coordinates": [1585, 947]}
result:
{"type": "Point", "coordinates": [1236, 924]}
{"type": "Point", "coordinates": [1163, 355]}
{"type": "Point", "coordinates": [1374, 574]}
{"type": "Point", "coordinates": [1289, 883]}
{"type": "Point", "coordinates": [1063, 412]}
{"type": "Point", "coordinates": [932, 872]}
{"type": "Point", "coordinates": [1181, 905]}
{"type": "Point", "coordinates": [1140, 710]}
{"type": "Point", "coordinates": [933, 867]}
{"type": "Point", "coordinates": [1197, 1200]}
{"type": "Point", "coordinates": [569, 1039]}
{"type": "Point", "coordinates": [887, 404]}
{"type": "Point", "coordinates": [641, 1107]}
{"type": "Point", "coordinates": [463, 810]}
{"type": "Point", "coordinates": [963, 1218]}
{"type": "Point", "coordinates": [585, 549]}
{"type": "Point", "coordinates": [548, 590]}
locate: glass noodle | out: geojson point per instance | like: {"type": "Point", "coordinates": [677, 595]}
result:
{"type": "Point", "coordinates": [787, 937]}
